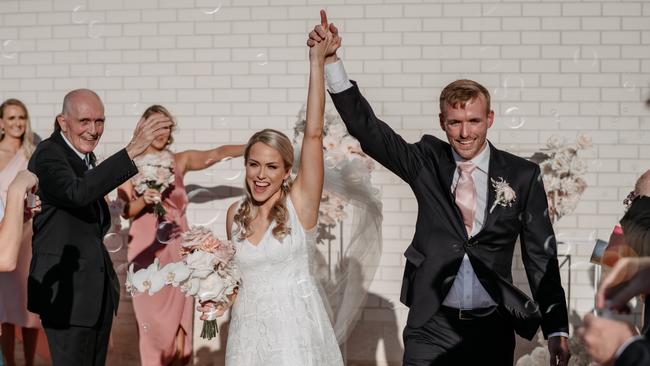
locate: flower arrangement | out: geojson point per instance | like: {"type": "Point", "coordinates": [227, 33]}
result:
{"type": "Point", "coordinates": [540, 356]}
{"type": "Point", "coordinates": [206, 273]}
{"type": "Point", "coordinates": [505, 195]}
{"type": "Point", "coordinates": [155, 171]}
{"type": "Point", "coordinates": [340, 149]}
{"type": "Point", "coordinates": [562, 170]}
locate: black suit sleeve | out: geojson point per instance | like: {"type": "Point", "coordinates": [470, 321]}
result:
{"type": "Point", "coordinates": [636, 353]}
{"type": "Point", "coordinates": [377, 139]}
{"type": "Point", "coordinates": [539, 254]}
{"type": "Point", "coordinates": [63, 188]}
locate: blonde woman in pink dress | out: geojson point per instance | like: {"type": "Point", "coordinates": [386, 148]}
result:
{"type": "Point", "coordinates": [164, 319]}
{"type": "Point", "coordinates": [16, 146]}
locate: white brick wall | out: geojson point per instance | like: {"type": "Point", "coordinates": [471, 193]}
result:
{"type": "Point", "coordinates": [227, 68]}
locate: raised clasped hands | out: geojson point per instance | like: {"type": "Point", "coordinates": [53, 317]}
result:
{"type": "Point", "coordinates": [324, 40]}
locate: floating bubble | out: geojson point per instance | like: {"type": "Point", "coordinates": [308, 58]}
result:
{"type": "Point", "coordinates": [556, 115]}
{"type": "Point", "coordinates": [79, 15]}
{"type": "Point", "coordinates": [513, 119]}
{"type": "Point", "coordinates": [580, 59]}
{"type": "Point", "coordinates": [212, 11]}
{"type": "Point", "coordinates": [146, 327]}
{"type": "Point", "coordinates": [236, 176]}
{"type": "Point", "coordinates": [550, 308]}
{"type": "Point", "coordinates": [166, 232]}
{"type": "Point", "coordinates": [261, 59]}
{"type": "Point", "coordinates": [629, 86]}
{"type": "Point", "coordinates": [9, 49]}
{"type": "Point", "coordinates": [211, 221]}
{"type": "Point", "coordinates": [526, 217]}
{"type": "Point", "coordinates": [95, 29]}
{"type": "Point", "coordinates": [122, 269]}
{"type": "Point", "coordinates": [510, 83]}
{"type": "Point", "coordinates": [490, 10]}
{"type": "Point", "coordinates": [113, 242]}
{"type": "Point", "coordinates": [134, 109]}
{"type": "Point", "coordinates": [531, 306]}
{"type": "Point", "coordinates": [305, 288]}
{"type": "Point", "coordinates": [548, 245]}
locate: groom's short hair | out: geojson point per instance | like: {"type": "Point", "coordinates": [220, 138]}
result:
{"type": "Point", "coordinates": [459, 92]}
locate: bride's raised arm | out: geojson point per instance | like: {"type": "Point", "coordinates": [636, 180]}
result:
{"type": "Point", "coordinates": [308, 186]}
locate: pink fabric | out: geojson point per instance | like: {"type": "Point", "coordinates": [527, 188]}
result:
{"type": "Point", "coordinates": [13, 285]}
{"type": "Point", "coordinates": [466, 194]}
{"type": "Point", "coordinates": [160, 316]}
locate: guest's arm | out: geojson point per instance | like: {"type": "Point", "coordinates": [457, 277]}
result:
{"type": "Point", "coordinates": [11, 226]}
{"type": "Point", "coordinates": [191, 160]}
{"type": "Point", "coordinates": [135, 204]}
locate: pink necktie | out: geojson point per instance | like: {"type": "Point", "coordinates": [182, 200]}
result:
{"type": "Point", "coordinates": [466, 194]}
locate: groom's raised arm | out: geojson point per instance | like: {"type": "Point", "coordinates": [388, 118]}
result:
{"type": "Point", "coordinates": [377, 139]}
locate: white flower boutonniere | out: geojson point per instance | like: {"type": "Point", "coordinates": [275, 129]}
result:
{"type": "Point", "coordinates": [505, 194]}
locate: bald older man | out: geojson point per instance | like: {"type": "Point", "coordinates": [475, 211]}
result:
{"type": "Point", "coordinates": [72, 284]}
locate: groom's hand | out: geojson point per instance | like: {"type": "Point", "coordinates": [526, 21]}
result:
{"type": "Point", "coordinates": [558, 347]}
{"type": "Point", "coordinates": [319, 34]}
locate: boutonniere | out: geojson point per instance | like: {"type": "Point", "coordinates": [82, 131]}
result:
{"type": "Point", "coordinates": [505, 194]}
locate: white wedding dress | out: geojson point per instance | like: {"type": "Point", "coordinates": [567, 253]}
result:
{"type": "Point", "coordinates": [279, 318]}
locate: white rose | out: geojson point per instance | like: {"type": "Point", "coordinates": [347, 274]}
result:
{"type": "Point", "coordinates": [200, 263]}
{"type": "Point", "coordinates": [508, 194]}
{"type": "Point", "coordinates": [555, 142]}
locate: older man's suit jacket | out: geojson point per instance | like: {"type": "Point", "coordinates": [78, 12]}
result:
{"type": "Point", "coordinates": [70, 266]}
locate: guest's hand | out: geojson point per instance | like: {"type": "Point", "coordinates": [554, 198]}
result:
{"type": "Point", "coordinates": [32, 206]}
{"type": "Point", "coordinates": [627, 279]}
{"type": "Point", "coordinates": [146, 131]}
{"type": "Point", "coordinates": [25, 181]}
{"type": "Point", "coordinates": [151, 196]}
{"type": "Point", "coordinates": [603, 337]}
{"type": "Point", "coordinates": [558, 347]}
{"type": "Point", "coordinates": [322, 32]}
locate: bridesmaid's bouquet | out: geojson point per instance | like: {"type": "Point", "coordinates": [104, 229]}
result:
{"type": "Point", "coordinates": [207, 273]}
{"type": "Point", "coordinates": [155, 171]}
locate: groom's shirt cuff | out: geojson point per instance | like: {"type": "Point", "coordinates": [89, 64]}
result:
{"type": "Point", "coordinates": [336, 78]}
{"type": "Point", "coordinates": [559, 334]}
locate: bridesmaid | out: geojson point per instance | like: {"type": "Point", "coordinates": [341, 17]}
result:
{"type": "Point", "coordinates": [16, 146]}
{"type": "Point", "coordinates": [164, 319]}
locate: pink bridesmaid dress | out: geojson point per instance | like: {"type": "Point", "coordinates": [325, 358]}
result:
{"type": "Point", "coordinates": [160, 316]}
{"type": "Point", "coordinates": [13, 285]}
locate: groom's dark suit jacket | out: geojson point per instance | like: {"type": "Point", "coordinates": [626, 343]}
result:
{"type": "Point", "coordinates": [70, 266]}
{"type": "Point", "coordinates": [440, 239]}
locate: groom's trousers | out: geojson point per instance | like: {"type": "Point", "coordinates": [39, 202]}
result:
{"type": "Point", "coordinates": [458, 339]}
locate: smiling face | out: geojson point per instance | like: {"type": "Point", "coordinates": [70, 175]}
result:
{"type": "Point", "coordinates": [82, 120]}
{"type": "Point", "coordinates": [466, 126]}
{"type": "Point", "coordinates": [14, 121]}
{"type": "Point", "coordinates": [265, 172]}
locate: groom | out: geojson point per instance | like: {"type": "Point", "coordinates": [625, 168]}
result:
{"type": "Point", "coordinates": [474, 202]}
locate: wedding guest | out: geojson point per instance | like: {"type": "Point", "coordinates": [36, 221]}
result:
{"type": "Point", "coordinates": [72, 284]}
{"type": "Point", "coordinates": [164, 319]}
{"type": "Point", "coordinates": [14, 212]}
{"type": "Point", "coordinates": [16, 147]}
{"type": "Point", "coordinates": [472, 198]}
{"type": "Point", "coordinates": [615, 342]}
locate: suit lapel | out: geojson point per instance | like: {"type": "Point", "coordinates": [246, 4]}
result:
{"type": "Point", "coordinates": [447, 169]}
{"type": "Point", "coordinates": [497, 168]}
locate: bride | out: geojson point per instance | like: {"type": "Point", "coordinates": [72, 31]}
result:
{"type": "Point", "coordinates": [278, 314]}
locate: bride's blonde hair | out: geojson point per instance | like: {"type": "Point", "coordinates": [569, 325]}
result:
{"type": "Point", "coordinates": [281, 143]}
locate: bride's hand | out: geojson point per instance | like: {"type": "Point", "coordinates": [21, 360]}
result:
{"type": "Point", "coordinates": [151, 196]}
{"type": "Point", "coordinates": [210, 307]}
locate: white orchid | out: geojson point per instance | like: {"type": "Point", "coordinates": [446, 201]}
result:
{"type": "Point", "coordinates": [147, 279]}
{"type": "Point", "coordinates": [175, 272]}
